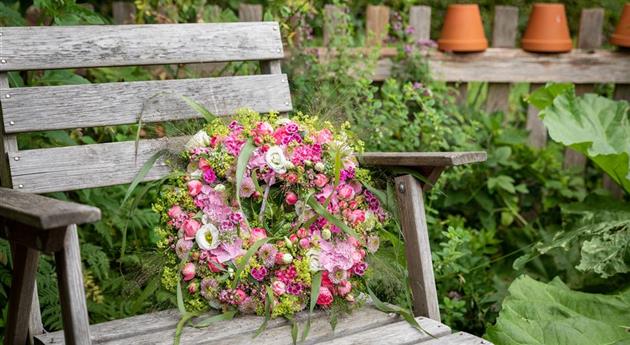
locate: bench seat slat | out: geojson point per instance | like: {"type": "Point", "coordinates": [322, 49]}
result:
{"type": "Point", "coordinates": [53, 47]}
{"type": "Point", "coordinates": [88, 166]}
{"type": "Point", "coordinates": [459, 338]}
{"type": "Point", "coordinates": [416, 159]}
{"type": "Point", "coordinates": [90, 105]}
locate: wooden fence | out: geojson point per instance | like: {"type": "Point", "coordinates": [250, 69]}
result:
{"type": "Point", "coordinates": [501, 65]}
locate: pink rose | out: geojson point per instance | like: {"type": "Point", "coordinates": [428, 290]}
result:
{"type": "Point", "coordinates": [175, 212]}
{"type": "Point", "coordinates": [203, 164]}
{"type": "Point", "coordinates": [323, 137]}
{"type": "Point", "coordinates": [194, 187]}
{"type": "Point", "coordinates": [321, 180]}
{"type": "Point", "coordinates": [344, 288]}
{"type": "Point", "coordinates": [257, 234]}
{"type": "Point", "coordinates": [192, 288]}
{"type": "Point", "coordinates": [291, 198]}
{"type": "Point", "coordinates": [305, 243]}
{"type": "Point", "coordinates": [345, 191]}
{"type": "Point", "coordinates": [358, 216]}
{"type": "Point", "coordinates": [302, 232]}
{"type": "Point", "coordinates": [292, 178]}
{"type": "Point", "coordinates": [278, 287]}
{"type": "Point", "coordinates": [188, 271]}
{"type": "Point", "coordinates": [214, 265]}
{"type": "Point", "coordinates": [239, 296]}
{"type": "Point", "coordinates": [279, 258]}
{"type": "Point", "coordinates": [325, 297]}
{"type": "Point", "coordinates": [190, 228]}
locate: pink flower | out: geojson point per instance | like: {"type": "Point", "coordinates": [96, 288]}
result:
{"type": "Point", "coordinates": [278, 287]}
{"type": "Point", "coordinates": [194, 187]}
{"type": "Point", "coordinates": [267, 254]}
{"type": "Point", "coordinates": [357, 216]}
{"type": "Point", "coordinates": [190, 228]}
{"type": "Point", "coordinates": [320, 180]}
{"type": "Point", "coordinates": [247, 187]}
{"type": "Point", "coordinates": [209, 176]}
{"type": "Point", "coordinates": [192, 288]}
{"type": "Point", "coordinates": [175, 212]}
{"type": "Point", "coordinates": [291, 198]}
{"type": "Point", "coordinates": [340, 256]}
{"type": "Point", "coordinates": [239, 296]}
{"type": "Point", "coordinates": [302, 233]}
{"type": "Point", "coordinates": [214, 265]}
{"type": "Point", "coordinates": [295, 288]}
{"type": "Point", "coordinates": [188, 271]}
{"type": "Point", "coordinates": [344, 288]}
{"type": "Point", "coordinates": [345, 191]}
{"type": "Point", "coordinates": [228, 251]}
{"type": "Point", "coordinates": [360, 268]}
{"type": "Point", "coordinates": [325, 297]}
{"type": "Point", "coordinates": [292, 178]}
{"type": "Point", "coordinates": [323, 137]}
{"type": "Point", "coordinates": [182, 247]}
{"type": "Point", "coordinates": [259, 273]}
{"type": "Point", "coordinates": [203, 164]}
{"type": "Point", "coordinates": [305, 243]}
{"type": "Point", "coordinates": [258, 234]}
{"type": "Point", "coordinates": [263, 128]}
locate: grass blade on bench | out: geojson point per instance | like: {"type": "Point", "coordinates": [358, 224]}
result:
{"type": "Point", "coordinates": [316, 283]}
{"type": "Point", "coordinates": [228, 315]}
{"type": "Point", "coordinates": [319, 209]}
{"type": "Point", "coordinates": [241, 165]}
{"type": "Point", "coordinates": [253, 249]}
{"type": "Point", "coordinates": [390, 308]}
{"type": "Point", "coordinates": [196, 106]}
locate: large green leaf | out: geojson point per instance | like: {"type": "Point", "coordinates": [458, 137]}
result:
{"type": "Point", "coordinates": [552, 314]}
{"type": "Point", "coordinates": [593, 125]}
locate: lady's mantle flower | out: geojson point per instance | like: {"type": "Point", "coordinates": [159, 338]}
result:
{"type": "Point", "coordinates": [200, 139]}
{"type": "Point", "coordinates": [276, 160]}
{"type": "Point", "coordinates": [207, 237]}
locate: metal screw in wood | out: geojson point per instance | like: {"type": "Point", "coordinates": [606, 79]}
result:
{"type": "Point", "coordinates": [401, 188]}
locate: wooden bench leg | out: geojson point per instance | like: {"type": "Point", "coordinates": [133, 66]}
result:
{"type": "Point", "coordinates": [25, 262]}
{"type": "Point", "coordinates": [71, 291]}
{"type": "Point", "coordinates": [418, 252]}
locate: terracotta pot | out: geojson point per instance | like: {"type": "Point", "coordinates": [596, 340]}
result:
{"type": "Point", "coordinates": [463, 30]}
{"type": "Point", "coordinates": [547, 30]}
{"type": "Point", "coordinates": [621, 37]}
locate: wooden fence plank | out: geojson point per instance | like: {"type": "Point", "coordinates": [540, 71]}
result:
{"type": "Point", "coordinates": [250, 13]}
{"type": "Point", "coordinates": [377, 24]}
{"type": "Point", "coordinates": [46, 47]}
{"type": "Point", "coordinates": [503, 36]}
{"type": "Point", "coordinates": [333, 20]}
{"type": "Point", "coordinates": [420, 21]}
{"type": "Point", "coordinates": [74, 106]}
{"type": "Point", "coordinates": [537, 131]}
{"type": "Point", "coordinates": [123, 12]}
{"type": "Point", "coordinates": [589, 37]}
{"type": "Point", "coordinates": [418, 251]}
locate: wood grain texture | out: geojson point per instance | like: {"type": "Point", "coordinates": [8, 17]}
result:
{"type": "Point", "coordinates": [376, 24]}
{"type": "Point", "coordinates": [333, 20]}
{"type": "Point", "coordinates": [459, 338]}
{"type": "Point", "coordinates": [56, 169]}
{"type": "Point", "coordinates": [393, 334]}
{"type": "Point", "coordinates": [420, 158]}
{"type": "Point", "coordinates": [537, 132]}
{"type": "Point", "coordinates": [76, 325]}
{"type": "Point", "coordinates": [503, 36]}
{"type": "Point", "coordinates": [48, 241]}
{"type": "Point", "coordinates": [418, 251]}
{"type": "Point", "coordinates": [123, 12]}
{"type": "Point", "coordinates": [8, 142]}
{"type": "Point", "coordinates": [591, 28]}
{"type": "Point", "coordinates": [25, 261]}
{"type": "Point", "coordinates": [43, 212]}
{"type": "Point", "coordinates": [250, 13]}
{"type": "Point", "coordinates": [35, 324]}
{"type": "Point", "coordinates": [45, 47]}
{"type": "Point", "coordinates": [420, 21]}
{"type": "Point", "coordinates": [89, 105]}
{"type": "Point", "coordinates": [159, 328]}
{"type": "Point", "coordinates": [506, 65]}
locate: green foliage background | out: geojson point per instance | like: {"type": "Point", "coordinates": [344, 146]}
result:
{"type": "Point", "coordinates": [481, 217]}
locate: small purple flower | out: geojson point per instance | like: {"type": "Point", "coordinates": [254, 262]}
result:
{"type": "Point", "coordinates": [236, 217]}
{"type": "Point", "coordinates": [291, 128]}
{"type": "Point", "coordinates": [227, 225]}
{"type": "Point", "coordinates": [209, 176]}
{"type": "Point", "coordinates": [409, 30]}
{"type": "Point", "coordinates": [417, 85]}
{"type": "Point", "coordinates": [259, 273]}
{"type": "Point", "coordinates": [295, 288]}
{"type": "Point", "coordinates": [267, 254]}
{"type": "Point", "coordinates": [408, 48]}
{"type": "Point", "coordinates": [360, 268]}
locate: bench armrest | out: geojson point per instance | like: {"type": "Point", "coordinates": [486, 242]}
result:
{"type": "Point", "coordinates": [42, 212]}
{"type": "Point", "coordinates": [421, 159]}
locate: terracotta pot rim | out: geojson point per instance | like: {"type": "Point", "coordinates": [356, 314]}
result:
{"type": "Point", "coordinates": [620, 40]}
{"type": "Point", "coordinates": [548, 4]}
{"type": "Point", "coordinates": [463, 46]}
{"type": "Point", "coordinates": [463, 5]}
{"type": "Point", "coordinates": [545, 41]}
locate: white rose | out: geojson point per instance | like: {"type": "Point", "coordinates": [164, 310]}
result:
{"type": "Point", "coordinates": [207, 237]}
{"type": "Point", "coordinates": [200, 139]}
{"type": "Point", "coordinates": [276, 160]}
{"type": "Point", "coordinates": [313, 259]}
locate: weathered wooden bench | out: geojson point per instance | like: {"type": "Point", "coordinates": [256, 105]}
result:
{"type": "Point", "coordinates": [34, 223]}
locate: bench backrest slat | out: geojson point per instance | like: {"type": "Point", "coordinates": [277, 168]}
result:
{"type": "Point", "coordinates": [36, 47]}
{"type": "Point", "coordinates": [90, 105]}
{"type": "Point", "coordinates": [31, 109]}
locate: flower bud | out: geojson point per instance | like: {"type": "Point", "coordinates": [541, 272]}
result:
{"type": "Point", "coordinates": [326, 234]}
{"type": "Point", "coordinates": [288, 243]}
{"type": "Point", "coordinates": [287, 258]}
{"type": "Point", "coordinates": [219, 188]}
{"type": "Point", "coordinates": [319, 166]}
